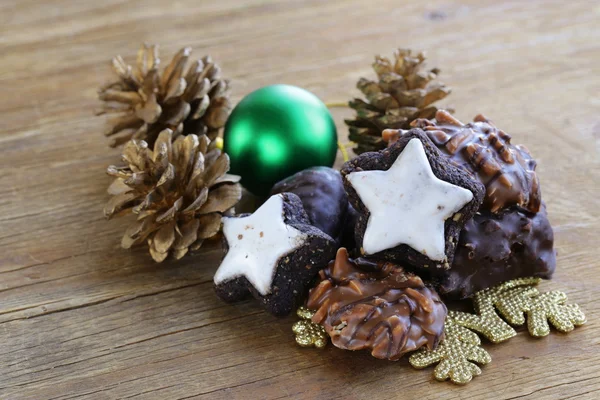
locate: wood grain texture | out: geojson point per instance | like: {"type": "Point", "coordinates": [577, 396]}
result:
{"type": "Point", "coordinates": [81, 318]}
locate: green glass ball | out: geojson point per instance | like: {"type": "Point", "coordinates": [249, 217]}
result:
{"type": "Point", "coordinates": [275, 132]}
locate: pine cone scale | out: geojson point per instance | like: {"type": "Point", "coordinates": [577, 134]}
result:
{"type": "Point", "coordinates": [198, 202]}
{"type": "Point", "coordinates": [218, 112]}
{"type": "Point", "coordinates": [175, 67]}
{"type": "Point", "coordinates": [201, 107]}
{"type": "Point", "coordinates": [210, 224]}
{"type": "Point", "coordinates": [175, 89]}
{"type": "Point", "coordinates": [188, 233]}
{"type": "Point", "coordinates": [119, 123]}
{"type": "Point", "coordinates": [118, 186]}
{"type": "Point", "coordinates": [164, 237]}
{"type": "Point", "coordinates": [156, 255]}
{"type": "Point", "coordinates": [118, 203]}
{"type": "Point", "coordinates": [222, 198]}
{"type": "Point", "coordinates": [149, 111]}
{"type": "Point", "coordinates": [130, 98]}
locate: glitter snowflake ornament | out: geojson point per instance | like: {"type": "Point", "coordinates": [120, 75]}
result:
{"type": "Point", "coordinates": [456, 355]}
{"type": "Point", "coordinates": [517, 301]}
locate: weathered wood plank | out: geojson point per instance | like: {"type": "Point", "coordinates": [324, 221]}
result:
{"type": "Point", "coordinates": [81, 318]}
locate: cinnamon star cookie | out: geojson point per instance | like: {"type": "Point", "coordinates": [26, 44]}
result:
{"type": "Point", "coordinates": [272, 254]}
{"type": "Point", "coordinates": [411, 202]}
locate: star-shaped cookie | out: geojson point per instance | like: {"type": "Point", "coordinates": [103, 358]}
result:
{"type": "Point", "coordinates": [412, 203]}
{"type": "Point", "coordinates": [273, 254]}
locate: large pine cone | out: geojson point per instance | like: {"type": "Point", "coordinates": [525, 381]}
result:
{"type": "Point", "coordinates": [506, 170]}
{"type": "Point", "coordinates": [404, 92]}
{"type": "Point", "coordinates": [179, 192]}
{"type": "Point", "coordinates": [195, 101]}
{"type": "Point", "coordinates": [364, 305]}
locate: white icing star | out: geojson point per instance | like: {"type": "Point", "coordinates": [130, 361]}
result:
{"type": "Point", "coordinates": [408, 204]}
{"type": "Point", "coordinates": [256, 244]}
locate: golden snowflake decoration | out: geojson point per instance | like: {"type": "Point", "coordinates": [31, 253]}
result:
{"type": "Point", "coordinates": [513, 300]}
{"type": "Point", "coordinates": [454, 355]}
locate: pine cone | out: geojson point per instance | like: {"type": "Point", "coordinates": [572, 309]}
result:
{"type": "Point", "coordinates": [376, 306]}
{"type": "Point", "coordinates": [179, 192]}
{"type": "Point", "coordinates": [506, 170]}
{"type": "Point", "coordinates": [195, 101]}
{"type": "Point", "coordinates": [404, 92]}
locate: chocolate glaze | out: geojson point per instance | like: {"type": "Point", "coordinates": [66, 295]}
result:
{"type": "Point", "coordinates": [323, 196]}
{"type": "Point", "coordinates": [348, 239]}
{"type": "Point", "coordinates": [507, 170]}
{"type": "Point", "coordinates": [494, 248]}
{"type": "Point", "coordinates": [364, 304]}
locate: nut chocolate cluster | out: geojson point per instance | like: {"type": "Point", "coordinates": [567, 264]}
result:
{"type": "Point", "coordinates": [479, 147]}
{"type": "Point", "coordinates": [376, 306]}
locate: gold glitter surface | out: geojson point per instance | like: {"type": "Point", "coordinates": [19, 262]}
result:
{"type": "Point", "coordinates": [516, 302]}
{"type": "Point", "coordinates": [453, 355]}
{"type": "Point", "coordinates": [307, 332]}
{"type": "Point", "coordinates": [513, 300]}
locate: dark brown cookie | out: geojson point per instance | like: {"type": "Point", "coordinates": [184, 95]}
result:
{"type": "Point", "coordinates": [272, 254]}
{"type": "Point", "coordinates": [323, 197]}
{"type": "Point", "coordinates": [376, 306]}
{"type": "Point", "coordinates": [452, 219]}
{"type": "Point", "coordinates": [494, 248]}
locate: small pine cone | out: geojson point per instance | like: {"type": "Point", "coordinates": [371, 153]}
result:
{"type": "Point", "coordinates": [506, 170]}
{"type": "Point", "coordinates": [148, 101]}
{"type": "Point", "coordinates": [404, 92]}
{"type": "Point", "coordinates": [179, 192]}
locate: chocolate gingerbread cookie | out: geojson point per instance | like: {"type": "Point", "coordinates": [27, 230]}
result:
{"type": "Point", "coordinates": [376, 306]}
{"type": "Point", "coordinates": [494, 248]}
{"type": "Point", "coordinates": [272, 254]}
{"type": "Point", "coordinates": [323, 197]}
{"type": "Point", "coordinates": [411, 201]}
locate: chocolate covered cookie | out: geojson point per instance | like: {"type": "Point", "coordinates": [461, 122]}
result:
{"type": "Point", "coordinates": [348, 239]}
{"type": "Point", "coordinates": [323, 197]}
{"type": "Point", "coordinates": [507, 170]}
{"type": "Point", "coordinates": [411, 202]}
{"type": "Point", "coordinates": [376, 306]}
{"type": "Point", "coordinates": [272, 254]}
{"type": "Point", "coordinates": [494, 248]}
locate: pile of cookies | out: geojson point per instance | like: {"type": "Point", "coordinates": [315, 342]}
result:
{"type": "Point", "coordinates": [446, 210]}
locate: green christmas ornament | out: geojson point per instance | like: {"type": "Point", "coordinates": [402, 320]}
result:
{"type": "Point", "coordinates": [275, 132]}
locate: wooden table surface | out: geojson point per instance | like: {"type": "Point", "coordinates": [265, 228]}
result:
{"type": "Point", "coordinates": [82, 318]}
